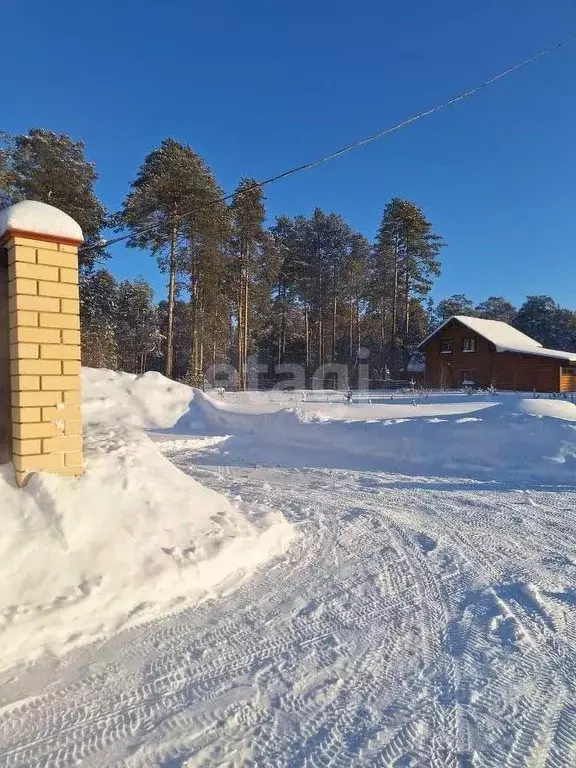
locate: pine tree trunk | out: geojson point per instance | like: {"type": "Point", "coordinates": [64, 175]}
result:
{"type": "Point", "coordinates": [284, 324]}
{"type": "Point", "coordinates": [321, 327]}
{"type": "Point", "coordinates": [280, 321]}
{"type": "Point", "coordinates": [246, 318]}
{"type": "Point", "coordinates": [351, 332]}
{"type": "Point", "coordinates": [200, 371]}
{"type": "Point", "coordinates": [334, 307]}
{"type": "Point", "coordinates": [358, 322]}
{"type": "Point", "coordinates": [240, 332]}
{"type": "Point", "coordinates": [383, 331]}
{"type": "Point", "coordinates": [394, 309]}
{"type": "Point", "coordinates": [171, 301]}
{"type": "Point", "coordinates": [406, 320]}
{"type": "Point", "coordinates": [197, 291]}
{"type": "Point", "coordinates": [307, 333]}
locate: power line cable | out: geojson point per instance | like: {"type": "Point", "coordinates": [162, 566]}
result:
{"type": "Point", "coordinates": [355, 145]}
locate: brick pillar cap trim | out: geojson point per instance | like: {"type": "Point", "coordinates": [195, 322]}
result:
{"type": "Point", "coordinates": [39, 221]}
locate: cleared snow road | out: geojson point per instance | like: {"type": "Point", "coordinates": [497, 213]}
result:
{"type": "Point", "coordinates": [417, 621]}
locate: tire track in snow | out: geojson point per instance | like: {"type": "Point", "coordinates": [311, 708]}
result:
{"type": "Point", "coordinates": [362, 647]}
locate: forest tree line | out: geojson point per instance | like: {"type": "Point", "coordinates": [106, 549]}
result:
{"type": "Point", "coordinates": [308, 290]}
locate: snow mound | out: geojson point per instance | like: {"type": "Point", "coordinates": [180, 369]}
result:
{"type": "Point", "coordinates": [40, 219]}
{"type": "Point", "coordinates": [132, 539]}
{"type": "Point", "coordinates": [511, 439]}
{"type": "Point", "coordinates": [147, 401]}
{"type": "Point", "coordinates": [554, 409]}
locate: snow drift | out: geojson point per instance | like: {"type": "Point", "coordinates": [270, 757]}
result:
{"type": "Point", "coordinates": [508, 438]}
{"type": "Point", "coordinates": [131, 539]}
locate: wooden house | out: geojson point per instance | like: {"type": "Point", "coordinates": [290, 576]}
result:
{"type": "Point", "coordinates": [468, 351]}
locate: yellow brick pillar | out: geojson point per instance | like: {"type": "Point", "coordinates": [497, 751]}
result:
{"type": "Point", "coordinates": [41, 245]}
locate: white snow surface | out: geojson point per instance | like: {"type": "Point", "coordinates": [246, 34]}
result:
{"type": "Point", "coordinates": [39, 218]}
{"type": "Point", "coordinates": [130, 540]}
{"type": "Point", "coordinates": [425, 615]}
{"type": "Point", "coordinates": [505, 338]}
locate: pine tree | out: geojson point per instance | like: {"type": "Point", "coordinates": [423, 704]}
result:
{"type": "Point", "coordinates": [137, 333]}
{"type": "Point", "coordinates": [208, 269]}
{"type": "Point", "coordinates": [51, 168]}
{"type": "Point", "coordinates": [290, 289]}
{"type": "Point", "coordinates": [405, 262]}
{"type": "Point", "coordinates": [496, 308]}
{"type": "Point", "coordinates": [356, 287]}
{"type": "Point", "coordinates": [541, 318]}
{"type": "Point", "coordinates": [5, 174]}
{"type": "Point", "coordinates": [172, 181]}
{"type": "Point", "coordinates": [182, 322]}
{"type": "Point", "coordinates": [458, 304]}
{"type": "Point", "coordinates": [248, 215]}
{"type": "Point", "coordinates": [98, 305]}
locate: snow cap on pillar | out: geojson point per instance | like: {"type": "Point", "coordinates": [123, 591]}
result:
{"type": "Point", "coordinates": [39, 221]}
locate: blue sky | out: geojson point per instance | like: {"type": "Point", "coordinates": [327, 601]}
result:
{"type": "Point", "coordinates": [259, 86]}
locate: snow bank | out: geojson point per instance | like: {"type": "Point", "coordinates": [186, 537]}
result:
{"type": "Point", "coordinates": [148, 401]}
{"type": "Point", "coordinates": [509, 439]}
{"type": "Point", "coordinates": [132, 539]}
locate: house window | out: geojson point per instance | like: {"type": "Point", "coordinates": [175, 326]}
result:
{"type": "Point", "coordinates": [468, 379]}
{"type": "Point", "coordinates": [446, 346]}
{"type": "Point", "coordinates": [468, 345]}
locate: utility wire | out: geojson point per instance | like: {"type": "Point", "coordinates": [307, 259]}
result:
{"type": "Point", "coordinates": [362, 142]}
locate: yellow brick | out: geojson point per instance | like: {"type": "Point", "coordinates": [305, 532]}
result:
{"type": "Point", "coordinates": [35, 335]}
{"type": "Point", "coordinates": [65, 413]}
{"type": "Point", "coordinates": [70, 337]}
{"type": "Point", "coordinates": [36, 399]}
{"type": "Point", "coordinates": [60, 351]}
{"type": "Point", "coordinates": [63, 444]}
{"type": "Point", "coordinates": [68, 275]}
{"type": "Point", "coordinates": [71, 367]}
{"type": "Point", "coordinates": [23, 318]}
{"type": "Point", "coordinates": [34, 303]}
{"type": "Point", "coordinates": [57, 259]}
{"type": "Point", "coordinates": [53, 320]}
{"type": "Point", "coordinates": [60, 383]}
{"type": "Point", "coordinates": [24, 286]}
{"type": "Point", "coordinates": [35, 242]}
{"type": "Point", "coordinates": [38, 367]}
{"type": "Point", "coordinates": [73, 471]}
{"type": "Point", "coordinates": [27, 351]}
{"type": "Point", "coordinates": [72, 397]}
{"type": "Point", "coordinates": [22, 253]}
{"type": "Point", "coordinates": [68, 248]}
{"type": "Point", "coordinates": [74, 459]}
{"type": "Point", "coordinates": [62, 290]}
{"type": "Point", "coordinates": [37, 463]}
{"type": "Point", "coordinates": [32, 271]}
{"type": "Point", "coordinates": [25, 383]}
{"type": "Point", "coordinates": [26, 447]}
{"type": "Point", "coordinates": [73, 428]}
{"type": "Point", "coordinates": [22, 478]}
{"type": "Point", "coordinates": [35, 431]}
{"type": "Point", "coordinates": [26, 415]}
{"type": "Point", "coordinates": [70, 306]}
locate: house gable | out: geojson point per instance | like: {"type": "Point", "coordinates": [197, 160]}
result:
{"type": "Point", "coordinates": [457, 354]}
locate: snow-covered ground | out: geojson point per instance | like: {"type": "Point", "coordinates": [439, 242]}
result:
{"type": "Point", "coordinates": [132, 539]}
{"type": "Point", "coordinates": [423, 615]}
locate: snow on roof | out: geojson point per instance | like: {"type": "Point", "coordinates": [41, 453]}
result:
{"type": "Point", "coordinates": [40, 219]}
{"type": "Point", "coordinates": [504, 337]}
